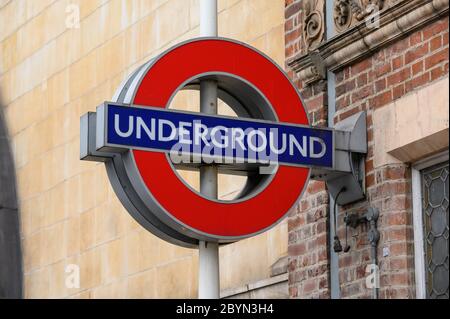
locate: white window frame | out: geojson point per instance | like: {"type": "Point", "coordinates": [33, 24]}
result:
{"type": "Point", "coordinates": [419, 252]}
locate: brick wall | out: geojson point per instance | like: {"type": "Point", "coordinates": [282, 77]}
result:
{"type": "Point", "coordinates": [408, 64]}
{"type": "Point", "coordinates": [307, 224]}
{"type": "Point", "coordinates": [388, 74]}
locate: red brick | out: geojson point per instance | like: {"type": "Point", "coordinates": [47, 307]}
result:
{"type": "Point", "coordinates": [340, 90]}
{"type": "Point", "coordinates": [369, 120]}
{"type": "Point", "coordinates": [345, 261]}
{"type": "Point", "coordinates": [292, 9]}
{"type": "Point", "coordinates": [293, 223]}
{"type": "Point", "coordinates": [435, 28]}
{"type": "Point", "coordinates": [395, 219]}
{"type": "Point", "coordinates": [398, 263]}
{"type": "Point", "coordinates": [304, 205]}
{"type": "Point", "coordinates": [289, 51]}
{"type": "Point", "coordinates": [323, 283]}
{"type": "Point", "coordinates": [379, 56]}
{"type": "Point", "coordinates": [297, 249]}
{"type": "Point", "coordinates": [398, 249]}
{"type": "Point", "coordinates": [299, 276]}
{"type": "Point", "coordinates": [347, 73]}
{"type": "Point", "coordinates": [348, 113]}
{"type": "Point", "coordinates": [400, 46]}
{"type": "Point", "coordinates": [416, 53]}
{"type": "Point", "coordinates": [371, 75]}
{"type": "Point", "coordinates": [321, 226]}
{"type": "Point", "coordinates": [362, 80]}
{"type": "Point", "coordinates": [417, 68]}
{"type": "Point", "coordinates": [415, 38]}
{"type": "Point", "coordinates": [369, 166]}
{"type": "Point", "coordinates": [315, 103]}
{"type": "Point", "coordinates": [342, 102]}
{"type": "Point", "coordinates": [397, 63]}
{"type": "Point", "coordinates": [380, 85]}
{"type": "Point", "coordinates": [381, 99]}
{"type": "Point", "coordinates": [400, 293]}
{"type": "Point", "coordinates": [292, 35]}
{"type": "Point", "coordinates": [311, 245]}
{"type": "Point", "coordinates": [322, 239]}
{"type": "Point", "coordinates": [403, 233]}
{"type": "Point", "coordinates": [436, 58]}
{"type": "Point", "coordinates": [417, 81]}
{"type": "Point", "coordinates": [293, 292]}
{"type": "Point", "coordinates": [289, 24]}
{"type": "Point", "coordinates": [436, 73]}
{"type": "Point", "coordinates": [435, 43]}
{"type": "Point", "coordinates": [315, 187]}
{"type": "Point", "coordinates": [398, 91]}
{"type": "Point", "coordinates": [391, 188]}
{"type": "Point", "coordinates": [399, 279]}
{"type": "Point", "coordinates": [345, 87]}
{"type": "Point", "coordinates": [396, 203]}
{"type": "Point", "coordinates": [360, 272]}
{"type": "Point", "coordinates": [396, 172]}
{"type": "Point", "coordinates": [383, 69]}
{"type": "Point", "coordinates": [323, 255]}
{"type": "Point", "coordinates": [310, 286]}
{"type": "Point", "coordinates": [362, 93]}
{"type": "Point", "coordinates": [306, 232]}
{"type": "Point", "coordinates": [361, 66]}
{"type": "Point", "coordinates": [292, 264]}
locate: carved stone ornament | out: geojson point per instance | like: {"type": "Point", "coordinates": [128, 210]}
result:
{"type": "Point", "coordinates": [314, 25]}
{"type": "Point", "coordinates": [396, 18]}
{"type": "Point", "coordinates": [347, 13]}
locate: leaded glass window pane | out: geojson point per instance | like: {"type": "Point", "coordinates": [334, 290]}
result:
{"type": "Point", "coordinates": [435, 214]}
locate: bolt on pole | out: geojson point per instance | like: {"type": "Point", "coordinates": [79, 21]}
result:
{"type": "Point", "coordinates": [209, 279]}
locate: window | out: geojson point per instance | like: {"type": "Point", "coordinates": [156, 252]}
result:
{"type": "Point", "coordinates": [430, 187]}
{"type": "Point", "coordinates": [435, 222]}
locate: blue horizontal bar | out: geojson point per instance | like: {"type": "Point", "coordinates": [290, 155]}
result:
{"type": "Point", "coordinates": [219, 137]}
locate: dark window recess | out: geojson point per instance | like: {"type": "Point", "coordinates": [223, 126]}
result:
{"type": "Point", "coordinates": [435, 213]}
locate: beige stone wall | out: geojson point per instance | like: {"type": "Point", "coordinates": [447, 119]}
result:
{"type": "Point", "coordinates": [50, 74]}
{"type": "Point", "coordinates": [413, 127]}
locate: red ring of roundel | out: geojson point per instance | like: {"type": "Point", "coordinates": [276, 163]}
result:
{"type": "Point", "coordinates": [201, 215]}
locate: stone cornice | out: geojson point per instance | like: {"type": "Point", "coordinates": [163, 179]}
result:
{"type": "Point", "coordinates": [362, 39]}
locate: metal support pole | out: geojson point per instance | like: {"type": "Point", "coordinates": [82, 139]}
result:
{"type": "Point", "coordinates": [209, 279]}
{"type": "Point", "coordinates": [208, 18]}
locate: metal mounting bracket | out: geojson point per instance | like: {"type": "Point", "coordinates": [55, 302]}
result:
{"type": "Point", "coordinates": [370, 217]}
{"type": "Point", "coordinates": [347, 177]}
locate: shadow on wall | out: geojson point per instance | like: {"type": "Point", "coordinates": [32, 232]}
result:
{"type": "Point", "coordinates": [10, 248]}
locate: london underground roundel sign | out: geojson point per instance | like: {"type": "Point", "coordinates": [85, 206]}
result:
{"type": "Point", "coordinates": [142, 142]}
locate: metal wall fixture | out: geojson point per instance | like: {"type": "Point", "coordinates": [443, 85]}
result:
{"type": "Point", "coordinates": [349, 168]}
{"type": "Point", "coordinates": [370, 217]}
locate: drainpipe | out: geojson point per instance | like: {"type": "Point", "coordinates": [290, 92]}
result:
{"type": "Point", "coordinates": [373, 237]}
{"type": "Point", "coordinates": [331, 93]}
